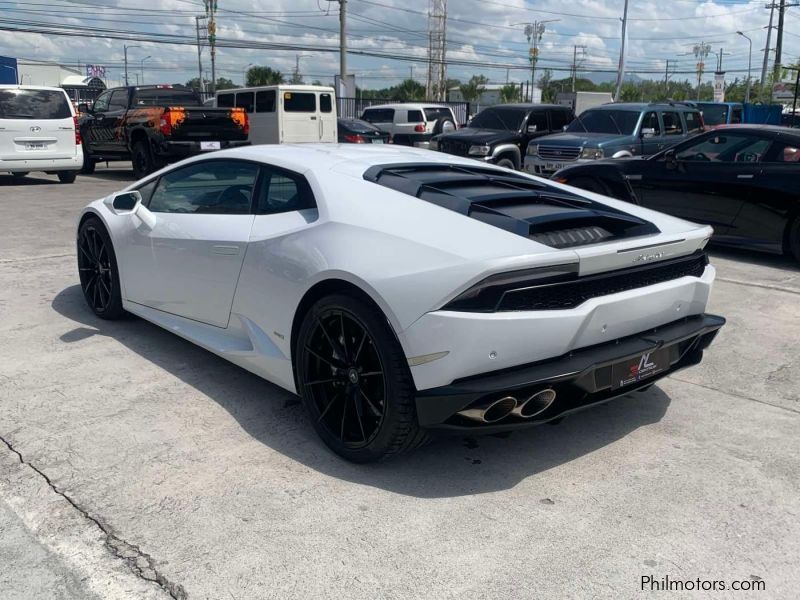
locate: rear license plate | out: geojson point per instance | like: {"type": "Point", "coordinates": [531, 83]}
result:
{"type": "Point", "coordinates": [35, 146]}
{"type": "Point", "coordinates": [552, 166]}
{"type": "Point", "coordinates": [637, 369]}
{"type": "Point", "coordinates": [209, 145]}
{"type": "Point", "coordinates": [377, 141]}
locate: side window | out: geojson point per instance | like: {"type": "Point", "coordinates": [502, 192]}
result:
{"type": "Point", "coordinates": [325, 104]}
{"type": "Point", "coordinates": [265, 101]}
{"type": "Point", "coordinates": [146, 191]}
{"type": "Point", "coordinates": [538, 118]}
{"type": "Point", "coordinates": [559, 119]}
{"type": "Point", "coordinates": [282, 191]}
{"type": "Point", "coordinates": [219, 187]}
{"type": "Point", "coordinates": [101, 104]}
{"type": "Point", "coordinates": [119, 100]}
{"type": "Point", "coordinates": [378, 115]}
{"type": "Point", "coordinates": [736, 115]}
{"type": "Point", "coordinates": [724, 148]}
{"type": "Point", "coordinates": [672, 123]}
{"type": "Point", "coordinates": [225, 101]}
{"type": "Point", "coordinates": [299, 102]}
{"type": "Point", "coordinates": [245, 100]}
{"type": "Point", "coordinates": [415, 116]}
{"type": "Point", "coordinates": [785, 153]}
{"type": "Point", "coordinates": [693, 122]}
{"type": "Point", "coordinates": [650, 121]}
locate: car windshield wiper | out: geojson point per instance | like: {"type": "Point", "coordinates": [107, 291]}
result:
{"type": "Point", "coordinates": [613, 120]}
{"type": "Point", "coordinates": [580, 122]}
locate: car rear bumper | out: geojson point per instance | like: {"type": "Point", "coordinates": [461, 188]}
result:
{"type": "Point", "coordinates": [73, 163]}
{"type": "Point", "coordinates": [579, 379]}
{"type": "Point", "coordinates": [183, 149]}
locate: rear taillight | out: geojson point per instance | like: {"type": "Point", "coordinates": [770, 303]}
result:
{"type": "Point", "coordinates": [239, 116]}
{"type": "Point", "coordinates": [420, 128]}
{"type": "Point", "coordinates": [354, 138]}
{"type": "Point", "coordinates": [78, 140]}
{"type": "Point", "coordinates": [171, 118]}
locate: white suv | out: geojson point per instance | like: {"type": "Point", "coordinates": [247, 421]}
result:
{"type": "Point", "coordinates": [39, 132]}
{"type": "Point", "coordinates": [411, 124]}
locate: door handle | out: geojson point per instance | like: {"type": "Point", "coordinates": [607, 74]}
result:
{"type": "Point", "coordinates": [745, 176]}
{"type": "Point", "coordinates": [225, 250]}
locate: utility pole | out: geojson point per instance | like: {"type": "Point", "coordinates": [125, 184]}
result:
{"type": "Point", "coordinates": [125, 49]}
{"type": "Point", "coordinates": [779, 44]}
{"type": "Point", "coordinates": [575, 63]}
{"type": "Point", "coordinates": [436, 85]}
{"type": "Point", "coordinates": [666, 80]}
{"type": "Point", "coordinates": [621, 68]}
{"type": "Point", "coordinates": [701, 52]}
{"type": "Point", "coordinates": [766, 49]}
{"type": "Point", "coordinates": [749, 67]}
{"type": "Point", "coordinates": [534, 32]}
{"type": "Point", "coordinates": [211, 14]}
{"type": "Point", "coordinates": [197, 21]}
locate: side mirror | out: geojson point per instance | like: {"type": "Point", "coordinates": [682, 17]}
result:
{"type": "Point", "coordinates": [670, 161]}
{"type": "Point", "coordinates": [84, 108]}
{"type": "Point", "coordinates": [648, 132]}
{"type": "Point", "coordinates": [125, 201]}
{"type": "Point", "coordinates": [565, 127]}
{"type": "Point", "coordinates": [532, 128]}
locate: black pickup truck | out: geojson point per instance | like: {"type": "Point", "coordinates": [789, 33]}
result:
{"type": "Point", "coordinates": [152, 125]}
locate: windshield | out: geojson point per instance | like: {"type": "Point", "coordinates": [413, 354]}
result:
{"type": "Point", "coordinates": [166, 97]}
{"type": "Point", "coordinates": [509, 119]}
{"type": "Point", "coordinates": [622, 122]}
{"type": "Point", "coordinates": [714, 114]}
{"type": "Point", "coordinates": [33, 104]}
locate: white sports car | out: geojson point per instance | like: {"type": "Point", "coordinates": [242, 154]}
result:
{"type": "Point", "coordinates": [400, 291]}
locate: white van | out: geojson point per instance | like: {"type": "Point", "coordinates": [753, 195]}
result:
{"type": "Point", "coordinates": [285, 114]}
{"type": "Point", "coordinates": [39, 132]}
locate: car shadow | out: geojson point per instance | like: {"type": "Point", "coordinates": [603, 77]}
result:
{"type": "Point", "coordinates": [113, 173]}
{"type": "Point", "coordinates": [759, 259]}
{"type": "Point", "coordinates": [32, 179]}
{"type": "Point", "coordinates": [449, 467]}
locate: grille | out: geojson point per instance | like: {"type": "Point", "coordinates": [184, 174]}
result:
{"type": "Point", "coordinates": [567, 238]}
{"type": "Point", "coordinates": [457, 148]}
{"type": "Point", "coordinates": [569, 294]}
{"type": "Point", "coordinates": [559, 153]}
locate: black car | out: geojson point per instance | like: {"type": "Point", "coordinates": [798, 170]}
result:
{"type": "Point", "coordinates": [356, 131]}
{"type": "Point", "coordinates": [500, 134]}
{"type": "Point", "coordinates": [744, 180]}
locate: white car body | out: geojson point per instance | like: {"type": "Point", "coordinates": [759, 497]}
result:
{"type": "Point", "coordinates": [233, 283]}
{"type": "Point", "coordinates": [410, 124]}
{"type": "Point", "coordinates": [34, 141]}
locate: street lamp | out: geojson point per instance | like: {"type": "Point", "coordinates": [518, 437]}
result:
{"type": "Point", "coordinates": [126, 48]}
{"type": "Point", "coordinates": [749, 66]}
{"type": "Point", "coordinates": [141, 67]}
{"type": "Point", "coordinates": [244, 75]}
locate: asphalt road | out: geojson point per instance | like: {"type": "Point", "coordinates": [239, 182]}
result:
{"type": "Point", "coordinates": [135, 465]}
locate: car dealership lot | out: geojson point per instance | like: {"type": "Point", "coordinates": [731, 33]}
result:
{"type": "Point", "coordinates": [138, 465]}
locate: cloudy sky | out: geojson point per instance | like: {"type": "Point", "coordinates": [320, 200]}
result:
{"type": "Point", "coordinates": [484, 36]}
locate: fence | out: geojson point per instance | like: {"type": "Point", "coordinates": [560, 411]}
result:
{"type": "Point", "coordinates": [351, 108]}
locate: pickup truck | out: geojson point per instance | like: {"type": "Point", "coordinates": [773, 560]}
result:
{"type": "Point", "coordinates": [153, 125]}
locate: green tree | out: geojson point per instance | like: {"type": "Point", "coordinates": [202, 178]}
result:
{"type": "Point", "coordinates": [408, 90]}
{"type": "Point", "coordinates": [225, 84]}
{"type": "Point", "coordinates": [472, 90]}
{"type": "Point", "coordinates": [510, 93]}
{"type": "Point", "coordinates": [263, 76]}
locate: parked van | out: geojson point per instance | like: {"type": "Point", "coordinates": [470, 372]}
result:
{"type": "Point", "coordinates": [39, 132]}
{"type": "Point", "coordinates": [285, 114]}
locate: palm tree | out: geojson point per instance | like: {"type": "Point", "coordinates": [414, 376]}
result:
{"type": "Point", "coordinates": [264, 76]}
{"type": "Point", "coordinates": [509, 93]}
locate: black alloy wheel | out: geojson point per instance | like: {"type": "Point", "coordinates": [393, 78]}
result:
{"type": "Point", "coordinates": [355, 382]}
{"type": "Point", "coordinates": [97, 269]}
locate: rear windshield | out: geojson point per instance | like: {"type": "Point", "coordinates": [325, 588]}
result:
{"type": "Point", "coordinates": [621, 122]}
{"type": "Point", "coordinates": [714, 114]}
{"type": "Point", "coordinates": [357, 125]}
{"type": "Point", "coordinates": [166, 97]}
{"type": "Point", "coordinates": [34, 104]}
{"type": "Point", "coordinates": [299, 102]}
{"type": "Point", "coordinates": [509, 119]}
{"type": "Point", "coordinates": [434, 114]}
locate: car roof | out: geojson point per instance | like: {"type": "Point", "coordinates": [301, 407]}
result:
{"type": "Point", "coordinates": [640, 106]}
{"type": "Point", "coordinates": [528, 106]}
{"type": "Point", "coordinates": [412, 105]}
{"type": "Point", "coordinates": [14, 86]}
{"type": "Point", "coordinates": [779, 129]}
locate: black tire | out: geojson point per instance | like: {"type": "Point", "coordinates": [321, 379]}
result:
{"type": "Point", "coordinates": [506, 163]}
{"type": "Point", "coordinates": [19, 174]}
{"type": "Point", "coordinates": [67, 176]}
{"type": "Point", "coordinates": [89, 163]}
{"type": "Point", "coordinates": [98, 272]}
{"type": "Point", "coordinates": [143, 161]}
{"type": "Point", "coordinates": [348, 359]}
{"type": "Point", "coordinates": [793, 238]}
{"type": "Point", "coordinates": [444, 125]}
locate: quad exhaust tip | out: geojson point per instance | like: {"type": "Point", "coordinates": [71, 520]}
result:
{"type": "Point", "coordinates": [536, 404]}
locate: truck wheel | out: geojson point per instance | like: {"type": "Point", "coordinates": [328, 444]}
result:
{"type": "Point", "coordinates": [88, 163]}
{"type": "Point", "coordinates": [67, 176]}
{"type": "Point", "coordinates": [142, 159]}
{"type": "Point", "coordinates": [506, 163]}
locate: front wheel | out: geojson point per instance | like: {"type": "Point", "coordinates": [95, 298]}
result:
{"type": "Point", "coordinates": [354, 381]}
{"type": "Point", "coordinates": [793, 239]}
{"type": "Point", "coordinates": [97, 270]}
{"type": "Point", "coordinates": [506, 163]}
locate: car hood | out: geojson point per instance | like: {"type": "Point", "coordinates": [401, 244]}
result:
{"type": "Point", "coordinates": [479, 136]}
{"type": "Point", "coordinates": [580, 139]}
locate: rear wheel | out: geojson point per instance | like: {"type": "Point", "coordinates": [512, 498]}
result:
{"type": "Point", "coordinates": [88, 162]}
{"type": "Point", "coordinates": [355, 382]}
{"type": "Point", "coordinates": [143, 160]}
{"type": "Point", "coordinates": [793, 239]}
{"type": "Point", "coordinates": [97, 269]}
{"type": "Point", "coordinates": [67, 176]}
